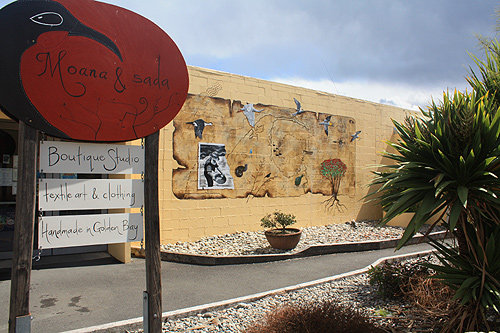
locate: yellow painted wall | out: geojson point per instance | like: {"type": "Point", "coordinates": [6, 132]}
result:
{"type": "Point", "coordinates": [190, 219]}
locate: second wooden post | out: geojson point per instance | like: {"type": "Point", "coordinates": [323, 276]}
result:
{"type": "Point", "coordinates": [152, 233]}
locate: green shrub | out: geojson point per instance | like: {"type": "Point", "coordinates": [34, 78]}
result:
{"type": "Point", "coordinates": [392, 278]}
{"type": "Point", "coordinates": [277, 219]}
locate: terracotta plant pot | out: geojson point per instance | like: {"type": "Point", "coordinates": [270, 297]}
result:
{"type": "Point", "coordinates": [283, 241]}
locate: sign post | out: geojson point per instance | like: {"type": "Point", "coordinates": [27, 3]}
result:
{"type": "Point", "coordinates": [25, 219]}
{"type": "Point", "coordinates": [73, 75]}
{"type": "Point", "coordinates": [152, 233]}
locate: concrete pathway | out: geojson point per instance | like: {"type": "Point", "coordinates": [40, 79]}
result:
{"type": "Point", "coordinates": [68, 298]}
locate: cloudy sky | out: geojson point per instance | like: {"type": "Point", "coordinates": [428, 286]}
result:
{"type": "Point", "coordinates": [397, 52]}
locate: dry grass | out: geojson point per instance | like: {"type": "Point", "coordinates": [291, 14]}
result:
{"type": "Point", "coordinates": [429, 305]}
{"type": "Point", "coordinates": [430, 296]}
{"type": "Point", "coordinates": [326, 317]}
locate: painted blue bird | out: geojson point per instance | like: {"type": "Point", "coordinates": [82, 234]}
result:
{"type": "Point", "coordinates": [326, 123]}
{"type": "Point", "coordinates": [355, 136]}
{"type": "Point", "coordinates": [299, 108]}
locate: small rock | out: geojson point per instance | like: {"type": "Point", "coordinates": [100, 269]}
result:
{"type": "Point", "coordinates": [242, 306]}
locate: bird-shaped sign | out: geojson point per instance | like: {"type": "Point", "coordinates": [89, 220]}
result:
{"type": "Point", "coordinates": [355, 136]}
{"type": "Point", "coordinates": [249, 111]}
{"type": "Point", "coordinates": [199, 126]}
{"type": "Point", "coordinates": [326, 123]}
{"type": "Point", "coordinates": [299, 108]}
{"type": "Point", "coordinates": [86, 70]}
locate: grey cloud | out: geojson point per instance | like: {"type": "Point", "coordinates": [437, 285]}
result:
{"type": "Point", "coordinates": [404, 41]}
{"type": "Point", "coordinates": [412, 42]}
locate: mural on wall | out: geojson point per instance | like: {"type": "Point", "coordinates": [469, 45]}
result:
{"type": "Point", "coordinates": [213, 169]}
{"type": "Point", "coordinates": [260, 150]}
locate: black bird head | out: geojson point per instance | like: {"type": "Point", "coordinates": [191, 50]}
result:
{"type": "Point", "coordinates": [23, 21]}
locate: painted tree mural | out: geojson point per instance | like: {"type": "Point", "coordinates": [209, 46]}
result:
{"type": "Point", "coordinates": [334, 170]}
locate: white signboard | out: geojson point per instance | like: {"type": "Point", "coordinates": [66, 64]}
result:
{"type": "Point", "coordinates": [69, 194]}
{"type": "Point", "coordinates": [79, 230]}
{"type": "Point", "coordinates": [70, 157]}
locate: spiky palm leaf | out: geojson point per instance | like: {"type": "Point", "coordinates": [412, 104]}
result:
{"type": "Point", "coordinates": [446, 160]}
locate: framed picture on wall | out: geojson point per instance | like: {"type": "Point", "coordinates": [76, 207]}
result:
{"type": "Point", "coordinates": [213, 169]}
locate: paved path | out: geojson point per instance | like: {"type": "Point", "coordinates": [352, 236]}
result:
{"type": "Point", "coordinates": [69, 298]}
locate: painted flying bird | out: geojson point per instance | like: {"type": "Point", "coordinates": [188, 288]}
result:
{"type": "Point", "coordinates": [326, 123]}
{"type": "Point", "coordinates": [199, 126]}
{"type": "Point", "coordinates": [355, 136]}
{"type": "Point", "coordinates": [340, 142]}
{"type": "Point", "coordinates": [249, 111]}
{"type": "Point", "coordinates": [299, 108]}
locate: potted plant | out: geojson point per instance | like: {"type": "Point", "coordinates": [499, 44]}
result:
{"type": "Point", "coordinates": [278, 235]}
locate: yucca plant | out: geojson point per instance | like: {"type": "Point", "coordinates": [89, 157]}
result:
{"type": "Point", "coordinates": [447, 162]}
{"type": "Point", "coordinates": [475, 280]}
{"type": "Point", "coordinates": [488, 79]}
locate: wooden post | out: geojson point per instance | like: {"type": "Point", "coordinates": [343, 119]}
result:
{"type": "Point", "coordinates": [24, 225]}
{"type": "Point", "coordinates": [152, 233]}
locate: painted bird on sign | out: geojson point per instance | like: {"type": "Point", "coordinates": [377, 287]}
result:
{"type": "Point", "coordinates": [199, 126]}
{"type": "Point", "coordinates": [88, 71]}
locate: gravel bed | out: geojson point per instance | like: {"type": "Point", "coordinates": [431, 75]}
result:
{"type": "Point", "coordinates": [354, 291]}
{"type": "Point", "coordinates": [254, 243]}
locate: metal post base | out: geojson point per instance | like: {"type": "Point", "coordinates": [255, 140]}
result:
{"type": "Point", "coordinates": [145, 312]}
{"type": "Point", "coordinates": [23, 324]}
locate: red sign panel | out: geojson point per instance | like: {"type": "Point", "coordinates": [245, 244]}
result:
{"type": "Point", "coordinates": [89, 71]}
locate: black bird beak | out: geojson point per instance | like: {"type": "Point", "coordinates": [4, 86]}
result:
{"type": "Point", "coordinates": [82, 30]}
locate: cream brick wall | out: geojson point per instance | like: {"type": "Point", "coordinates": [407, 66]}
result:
{"type": "Point", "coordinates": [189, 219]}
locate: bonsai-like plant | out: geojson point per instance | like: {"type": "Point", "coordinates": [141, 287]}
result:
{"type": "Point", "coordinates": [278, 220]}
